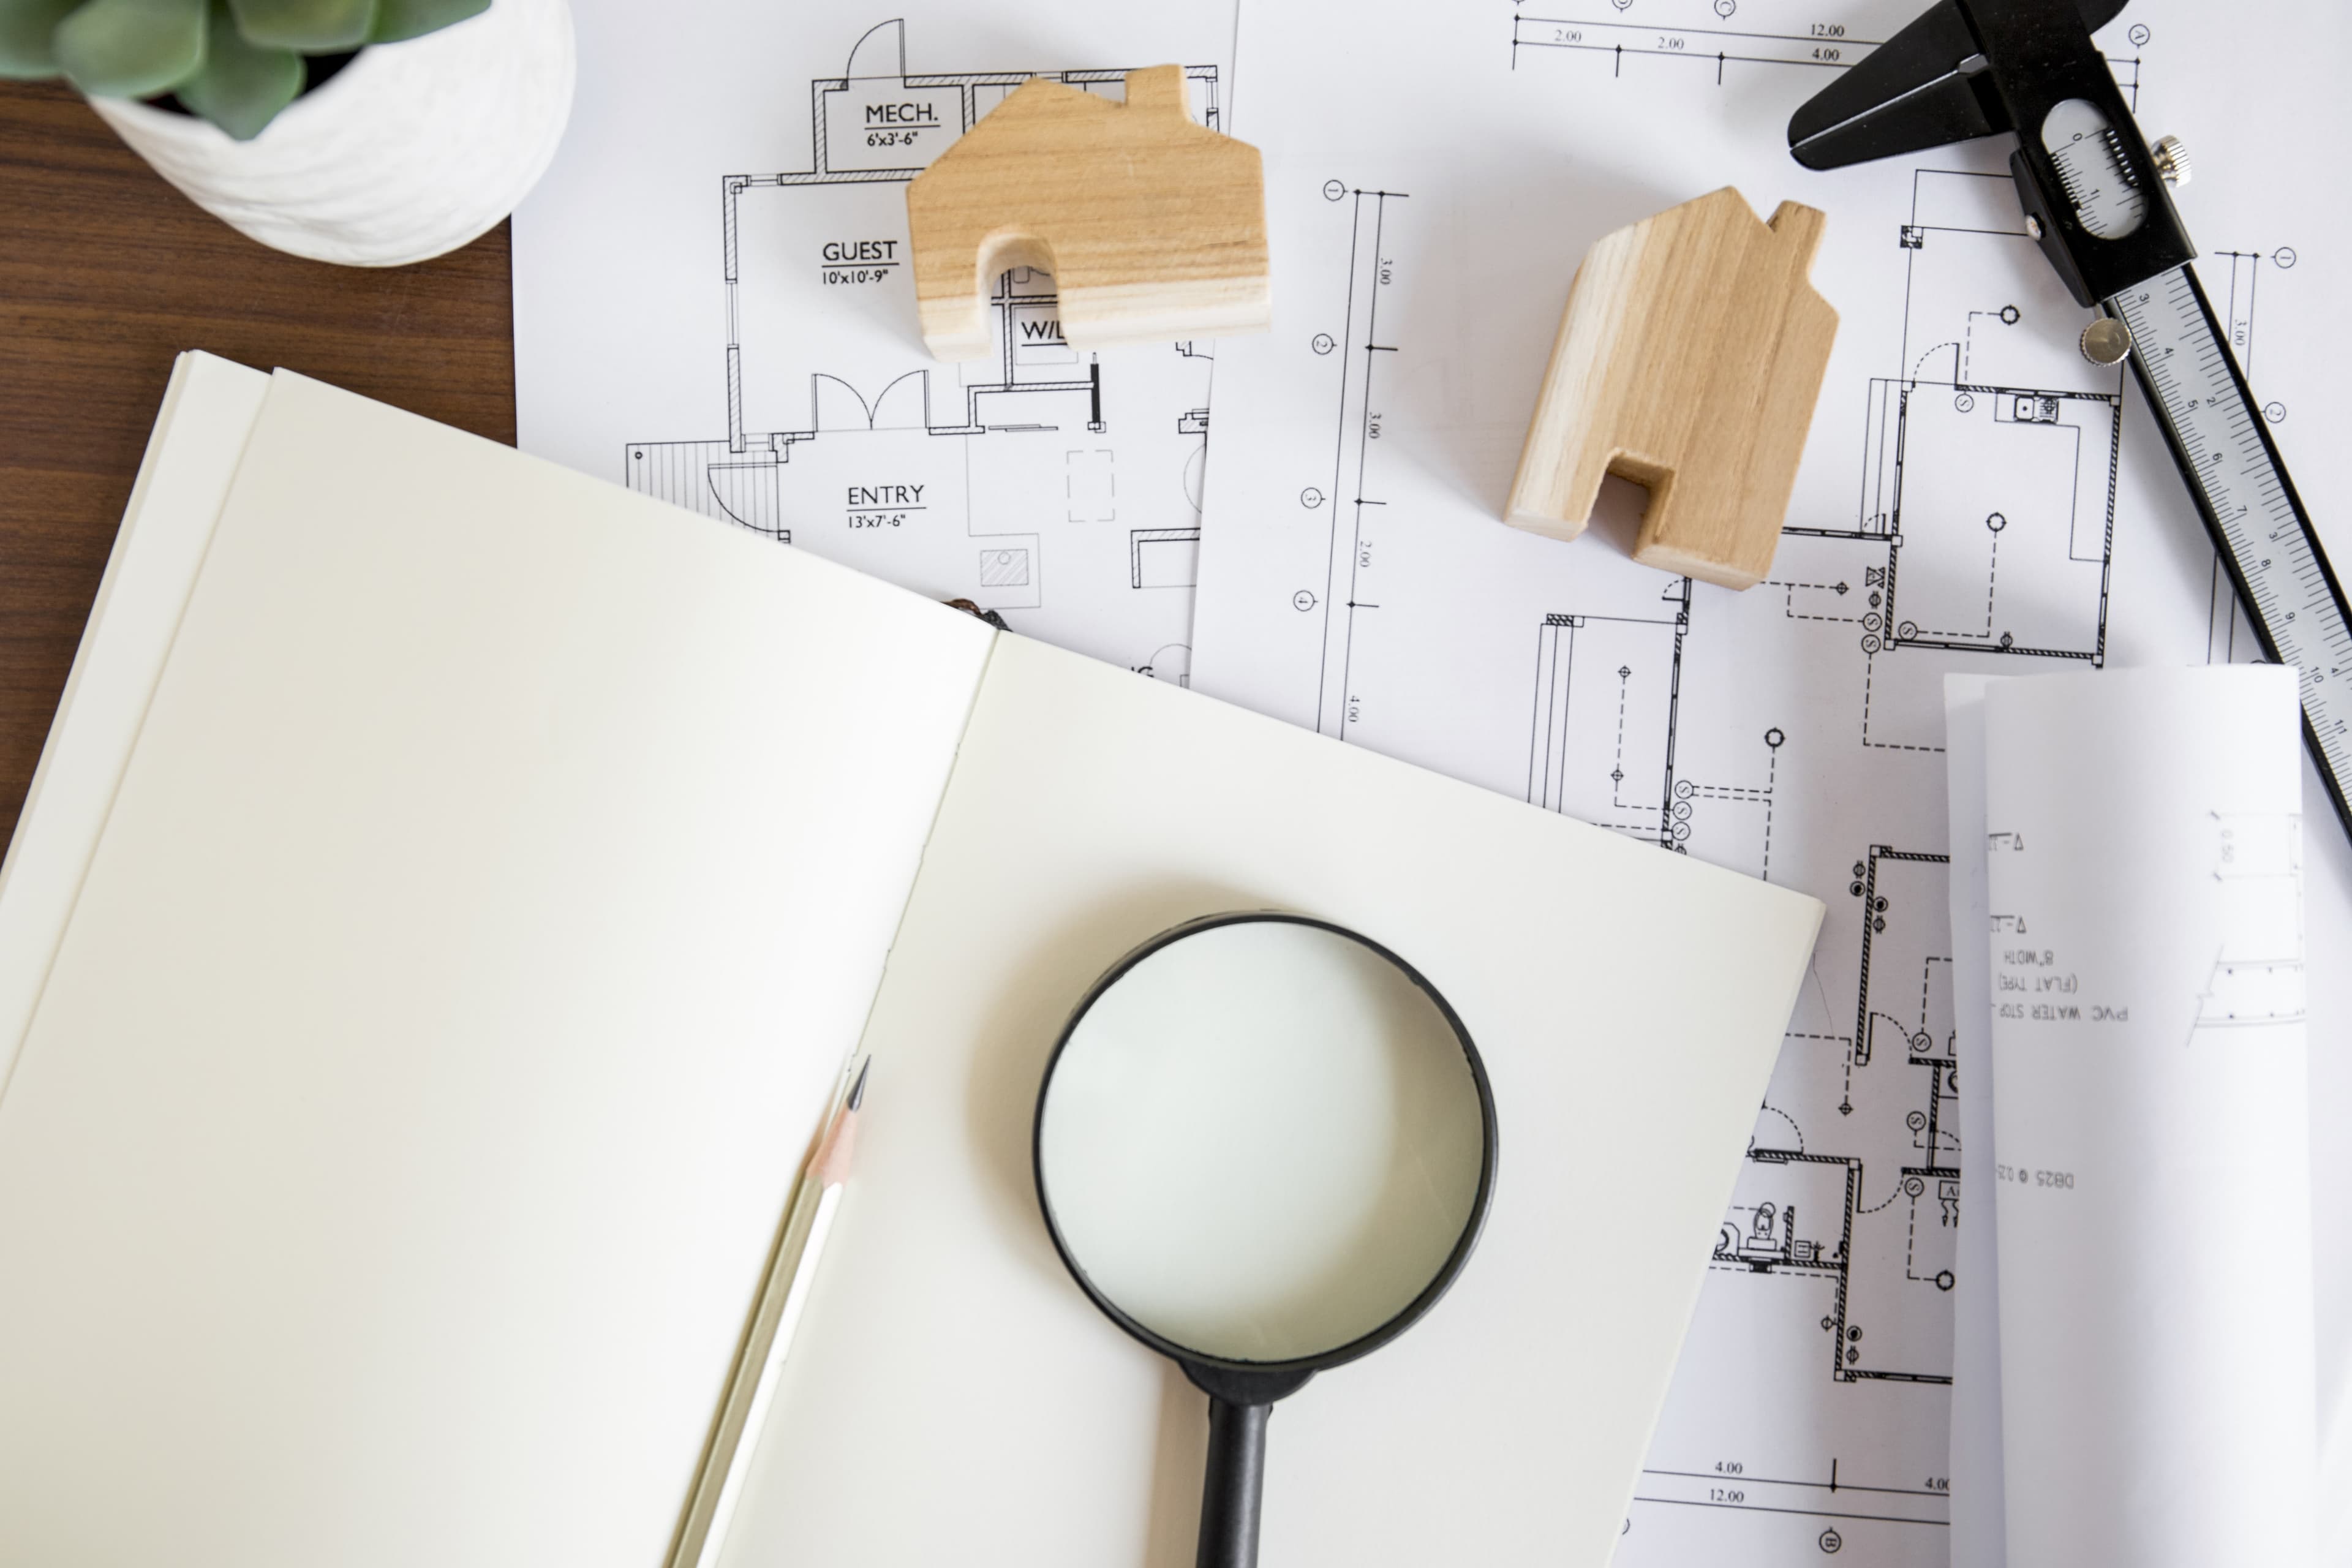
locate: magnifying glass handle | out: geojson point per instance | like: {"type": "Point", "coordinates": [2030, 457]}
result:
{"type": "Point", "coordinates": [1239, 1403]}
{"type": "Point", "coordinates": [1236, 1482]}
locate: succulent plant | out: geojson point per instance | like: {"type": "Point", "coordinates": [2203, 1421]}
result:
{"type": "Point", "coordinates": [234, 62]}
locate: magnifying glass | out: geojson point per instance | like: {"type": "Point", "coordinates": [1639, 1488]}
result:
{"type": "Point", "coordinates": [1264, 1147]}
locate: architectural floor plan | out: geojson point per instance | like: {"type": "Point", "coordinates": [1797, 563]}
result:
{"type": "Point", "coordinates": [1975, 497]}
{"type": "Point", "coordinates": [712, 305]}
{"type": "Point", "coordinates": [754, 355]}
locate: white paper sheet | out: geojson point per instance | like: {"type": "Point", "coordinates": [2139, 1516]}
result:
{"type": "Point", "coordinates": [1978, 1514]}
{"type": "Point", "coordinates": [488, 1320]}
{"type": "Point", "coordinates": [431, 826]}
{"type": "Point", "coordinates": [1975, 498]}
{"type": "Point", "coordinates": [208, 407]}
{"type": "Point", "coordinates": [954, 1399]}
{"type": "Point", "coordinates": [713, 305]}
{"type": "Point", "coordinates": [2150, 1128]}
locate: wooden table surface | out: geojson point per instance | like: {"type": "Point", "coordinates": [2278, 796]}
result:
{"type": "Point", "coordinates": [106, 273]}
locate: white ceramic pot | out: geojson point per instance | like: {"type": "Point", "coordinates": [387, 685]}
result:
{"type": "Point", "coordinates": [411, 150]}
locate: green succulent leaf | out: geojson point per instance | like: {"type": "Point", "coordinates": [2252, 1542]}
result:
{"type": "Point", "coordinates": [242, 85]}
{"type": "Point", "coordinates": [26, 27]}
{"type": "Point", "coordinates": [398, 19]}
{"type": "Point", "coordinates": [313, 26]}
{"type": "Point", "coordinates": [130, 48]}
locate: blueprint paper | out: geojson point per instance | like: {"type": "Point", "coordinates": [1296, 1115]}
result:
{"type": "Point", "coordinates": [2052, 1288]}
{"type": "Point", "coordinates": [2146, 955]}
{"type": "Point", "coordinates": [1978, 1514]}
{"type": "Point", "coordinates": [1975, 499]}
{"type": "Point", "coordinates": [713, 305]}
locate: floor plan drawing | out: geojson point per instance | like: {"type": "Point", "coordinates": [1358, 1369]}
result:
{"type": "Point", "coordinates": [1898, 1050]}
{"type": "Point", "coordinates": [1602, 746]}
{"type": "Point", "coordinates": [1973, 501]}
{"type": "Point", "coordinates": [712, 304]}
{"type": "Point", "coordinates": [1709, 34]}
{"type": "Point", "coordinates": [1060, 490]}
{"type": "Point", "coordinates": [1982, 537]}
{"type": "Point", "coordinates": [1356, 352]}
{"type": "Point", "coordinates": [1839, 1252]}
{"type": "Point", "coordinates": [973, 484]}
{"type": "Point", "coordinates": [1997, 447]}
{"type": "Point", "coordinates": [1624, 38]}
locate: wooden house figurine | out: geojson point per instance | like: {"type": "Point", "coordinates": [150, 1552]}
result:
{"type": "Point", "coordinates": [1152, 226]}
{"type": "Point", "coordinates": [1688, 361]}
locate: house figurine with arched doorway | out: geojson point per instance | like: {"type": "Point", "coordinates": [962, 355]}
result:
{"type": "Point", "coordinates": [1152, 226]}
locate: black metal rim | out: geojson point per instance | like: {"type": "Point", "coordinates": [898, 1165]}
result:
{"type": "Point", "coordinates": [1298, 1368]}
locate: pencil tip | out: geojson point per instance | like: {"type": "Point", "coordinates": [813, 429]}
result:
{"type": "Point", "coordinates": [857, 1090]}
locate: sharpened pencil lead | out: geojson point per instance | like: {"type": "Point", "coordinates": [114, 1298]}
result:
{"type": "Point", "coordinates": [857, 1090]}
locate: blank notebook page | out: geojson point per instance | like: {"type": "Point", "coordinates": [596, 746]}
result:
{"type": "Point", "coordinates": [953, 1398]}
{"type": "Point", "coordinates": [502, 875]}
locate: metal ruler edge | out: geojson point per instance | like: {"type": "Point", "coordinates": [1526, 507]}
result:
{"type": "Point", "coordinates": [2327, 691]}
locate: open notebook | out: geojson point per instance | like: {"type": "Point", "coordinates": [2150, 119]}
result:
{"type": "Point", "coordinates": [454, 887]}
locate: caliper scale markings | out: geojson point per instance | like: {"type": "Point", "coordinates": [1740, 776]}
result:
{"type": "Point", "coordinates": [2225, 453]}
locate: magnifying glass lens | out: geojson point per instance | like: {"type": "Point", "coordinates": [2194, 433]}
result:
{"type": "Point", "coordinates": [1262, 1142]}
{"type": "Point", "coordinates": [1263, 1147]}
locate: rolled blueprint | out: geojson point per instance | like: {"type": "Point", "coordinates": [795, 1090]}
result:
{"type": "Point", "coordinates": [1979, 1528]}
{"type": "Point", "coordinates": [2150, 1134]}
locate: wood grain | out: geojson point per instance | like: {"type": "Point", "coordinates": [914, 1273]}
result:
{"type": "Point", "coordinates": [1153, 225]}
{"type": "Point", "coordinates": [1688, 361]}
{"type": "Point", "coordinates": [106, 273]}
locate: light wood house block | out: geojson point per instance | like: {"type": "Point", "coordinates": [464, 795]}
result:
{"type": "Point", "coordinates": [1152, 226]}
{"type": "Point", "coordinates": [1688, 361]}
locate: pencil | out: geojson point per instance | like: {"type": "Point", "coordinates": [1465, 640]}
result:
{"type": "Point", "coordinates": [751, 1386]}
